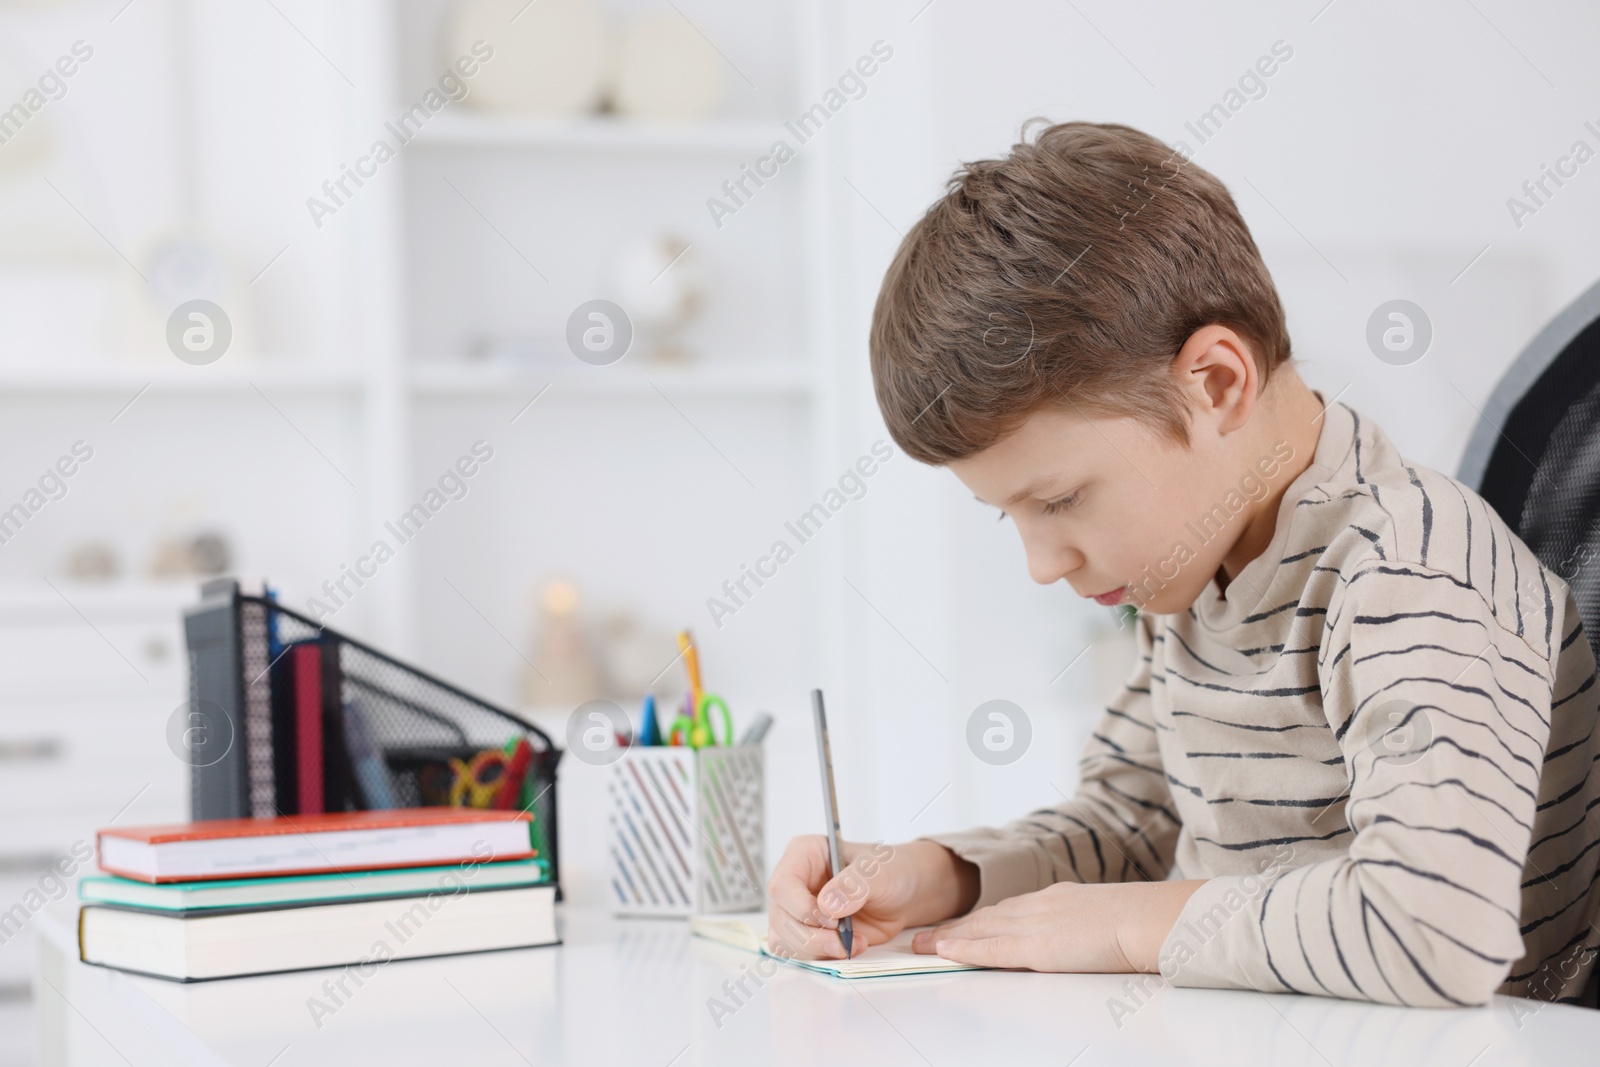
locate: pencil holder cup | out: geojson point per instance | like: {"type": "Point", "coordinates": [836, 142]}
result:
{"type": "Point", "coordinates": [687, 830]}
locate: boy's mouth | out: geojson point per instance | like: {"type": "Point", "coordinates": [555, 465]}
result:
{"type": "Point", "coordinates": [1112, 598]}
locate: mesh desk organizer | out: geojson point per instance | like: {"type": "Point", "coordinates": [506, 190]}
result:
{"type": "Point", "coordinates": [686, 830]}
{"type": "Point", "coordinates": [388, 732]}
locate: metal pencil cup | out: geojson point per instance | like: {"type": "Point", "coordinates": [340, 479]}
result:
{"type": "Point", "coordinates": [687, 830]}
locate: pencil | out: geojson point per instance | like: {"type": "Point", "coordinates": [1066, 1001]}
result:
{"type": "Point", "coordinates": [830, 806]}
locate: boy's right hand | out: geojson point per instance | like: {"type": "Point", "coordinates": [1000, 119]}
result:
{"type": "Point", "coordinates": [885, 888]}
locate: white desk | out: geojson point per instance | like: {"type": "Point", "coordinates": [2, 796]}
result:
{"type": "Point", "coordinates": [636, 992]}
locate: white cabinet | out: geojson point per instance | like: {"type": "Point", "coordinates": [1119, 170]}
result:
{"type": "Point", "coordinates": [89, 679]}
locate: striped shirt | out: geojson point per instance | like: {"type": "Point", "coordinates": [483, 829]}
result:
{"type": "Point", "coordinates": [1377, 747]}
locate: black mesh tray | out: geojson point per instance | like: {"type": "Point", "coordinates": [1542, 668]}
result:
{"type": "Point", "coordinates": [240, 648]}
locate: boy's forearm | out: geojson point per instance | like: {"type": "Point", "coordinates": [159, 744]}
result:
{"type": "Point", "coordinates": [1141, 914]}
{"type": "Point", "coordinates": [947, 884]}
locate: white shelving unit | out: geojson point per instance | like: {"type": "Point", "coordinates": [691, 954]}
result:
{"type": "Point", "coordinates": [650, 483]}
{"type": "Point", "coordinates": [719, 449]}
{"type": "Point", "coordinates": [482, 154]}
{"type": "Point", "coordinates": [129, 381]}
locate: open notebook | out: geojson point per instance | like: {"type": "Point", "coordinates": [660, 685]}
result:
{"type": "Point", "coordinates": [748, 931]}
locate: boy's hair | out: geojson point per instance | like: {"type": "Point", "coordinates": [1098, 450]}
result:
{"type": "Point", "coordinates": [1069, 272]}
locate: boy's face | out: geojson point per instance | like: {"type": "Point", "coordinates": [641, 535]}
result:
{"type": "Point", "coordinates": [1099, 500]}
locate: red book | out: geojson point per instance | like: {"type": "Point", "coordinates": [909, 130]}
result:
{"type": "Point", "coordinates": [313, 844]}
{"type": "Point", "coordinates": [308, 725]}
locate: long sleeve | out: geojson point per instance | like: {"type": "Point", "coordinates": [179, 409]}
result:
{"type": "Point", "coordinates": [1442, 713]}
{"type": "Point", "coordinates": [1119, 826]}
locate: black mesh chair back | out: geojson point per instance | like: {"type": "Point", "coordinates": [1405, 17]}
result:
{"type": "Point", "coordinates": [1535, 455]}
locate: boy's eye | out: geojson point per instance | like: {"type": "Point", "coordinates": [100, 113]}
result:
{"type": "Point", "coordinates": [1071, 500]}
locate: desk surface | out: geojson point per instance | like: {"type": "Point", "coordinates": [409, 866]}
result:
{"type": "Point", "coordinates": [644, 992]}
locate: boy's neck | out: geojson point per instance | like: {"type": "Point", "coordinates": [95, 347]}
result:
{"type": "Point", "coordinates": [1289, 411]}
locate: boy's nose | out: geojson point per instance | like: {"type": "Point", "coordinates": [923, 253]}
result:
{"type": "Point", "coordinates": [1051, 563]}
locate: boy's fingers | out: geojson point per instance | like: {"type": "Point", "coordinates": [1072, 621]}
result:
{"type": "Point", "coordinates": [792, 896]}
{"type": "Point", "coordinates": [985, 922]}
{"type": "Point", "coordinates": [926, 939]}
{"type": "Point", "coordinates": [842, 896]}
{"type": "Point", "coordinates": [796, 939]}
{"type": "Point", "coordinates": [847, 892]}
{"type": "Point", "coordinates": [792, 887]}
{"type": "Point", "coordinates": [985, 951]}
{"type": "Point", "coordinates": [795, 930]}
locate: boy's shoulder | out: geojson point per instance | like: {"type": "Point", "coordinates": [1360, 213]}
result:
{"type": "Point", "coordinates": [1384, 513]}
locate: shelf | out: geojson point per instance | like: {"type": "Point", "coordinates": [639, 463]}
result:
{"type": "Point", "coordinates": [778, 380]}
{"type": "Point", "coordinates": [742, 137]}
{"type": "Point", "coordinates": [61, 595]}
{"type": "Point", "coordinates": [131, 377]}
{"type": "Point", "coordinates": [449, 381]}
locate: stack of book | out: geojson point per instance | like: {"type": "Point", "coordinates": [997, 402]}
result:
{"type": "Point", "coordinates": [232, 897]}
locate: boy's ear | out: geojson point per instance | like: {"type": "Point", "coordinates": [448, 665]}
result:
{"type": "Point", "coordinates": [1217, 371]}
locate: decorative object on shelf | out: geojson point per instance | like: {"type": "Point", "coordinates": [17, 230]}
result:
{"type": "Point", "coordinates": [204, 555]}
{"type": "Point", "coordinates": [32, 141]}
{"type": "Point", "coordinates": [633, 653]}
{"type": "Point", "coordinates": [517, 352]}
{"type": "Point", "coordinates": [665, 70]}
{"type": "Point", "coordinates": [93, 561]}
{"type": "Point", "coordinates": [193, 307]}
{"type": "Point", "coordinates": [661, 282]}
{"type": "Point", "coordinates": [209, 553]}
{"type": "Point", "coordinates": [565, 671]}
{"type": "Point", "coordinates": [549, 57]}
{"type": "Point", "coordinates": [171, 558]}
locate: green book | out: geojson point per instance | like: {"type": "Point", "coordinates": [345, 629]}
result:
{"type": "Point", "coordinates": [307, 889]}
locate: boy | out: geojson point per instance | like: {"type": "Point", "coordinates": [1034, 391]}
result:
{"type": "Point", "coordinates": [1355, 756]}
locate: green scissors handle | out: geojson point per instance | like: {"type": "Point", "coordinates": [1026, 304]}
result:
{"type": "Point", "coordinates": [697, 732]}
{"type": "Point", "coordinates": [701, 733]}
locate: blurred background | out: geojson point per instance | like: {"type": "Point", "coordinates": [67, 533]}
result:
{"type": "Point", "coordinates": [270, 268]}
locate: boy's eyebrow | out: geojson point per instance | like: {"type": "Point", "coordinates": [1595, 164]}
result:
{"type": "Point", "coordinates": [1031, 489]}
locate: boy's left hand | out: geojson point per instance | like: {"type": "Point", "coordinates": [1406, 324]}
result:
{"type": "Point", "coordinates": [1108, 928]}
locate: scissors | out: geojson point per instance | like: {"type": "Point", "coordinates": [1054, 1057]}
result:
{"type": "Point", "coordinates": [469, 787]}
{"type": "Point", "coordinates": [696, 731]}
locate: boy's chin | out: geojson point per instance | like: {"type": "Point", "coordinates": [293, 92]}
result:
{"type": "Point", "coordinates": [1169, 601]}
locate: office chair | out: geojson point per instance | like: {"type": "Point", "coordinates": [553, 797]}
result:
{"type": "Point", "coordinates": [1535, 455]}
